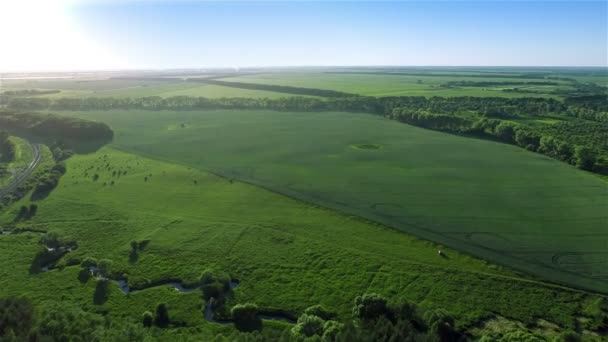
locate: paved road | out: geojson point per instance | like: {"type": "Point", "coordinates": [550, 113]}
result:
{"type": "Point", "coordinates": [23, 175]}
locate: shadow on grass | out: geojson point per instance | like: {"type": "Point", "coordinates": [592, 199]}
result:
{"type": "Point", "coordinates": [43, 260]}
{"type": "Point", "coordinates": [101, 292]}
{"type": "Point", "coordinates": [84, 275]}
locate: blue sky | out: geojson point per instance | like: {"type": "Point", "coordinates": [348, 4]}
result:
{"type": "Point", "coordinates": [175, 34]}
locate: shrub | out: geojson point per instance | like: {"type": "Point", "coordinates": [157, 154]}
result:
{"type": "Point", "coordinates": [370, 306]}
{"type": "Point", "coordinates": [104, 268]}
{"type": "Point", "coordinates": [51, 240]}
{"type": "Point", "coordinates": [308, 326]}
{"type": "Point", "coordinates": [441, 324]}
{"type": "Point", "coordinates": [245, 317]}
{"type": "Point", "coordinates": [214, 283]}
{"type": "Point", "coordinates": [147, 319]}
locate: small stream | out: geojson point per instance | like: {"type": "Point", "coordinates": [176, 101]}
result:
{"type": "Point", "coordinates": [209, 310]}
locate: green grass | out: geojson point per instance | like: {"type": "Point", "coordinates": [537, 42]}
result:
{"type": "Point", "coordinates": [286, 254]}
{"type": "Point", "coordinates": [386, 85]}
{"type": "Point", "coordinates": [140, 88]}
{"type": "Point", "coordinates": [493, 200]}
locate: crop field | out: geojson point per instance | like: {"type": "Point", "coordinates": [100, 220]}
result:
{"type": "Point", "coordinates": [286, 254]}
{"type": "Point", "coordinates": [392, 85]}
{"type": "Point", "coordinates": [136, 88]}
{"type": "Point", "coordinates": [492, 200]}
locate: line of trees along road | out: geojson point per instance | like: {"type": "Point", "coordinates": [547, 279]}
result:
{"type": "Point", "coordinates": [578, 140]}
{"type": "Point", "coordinates": [7, 148]}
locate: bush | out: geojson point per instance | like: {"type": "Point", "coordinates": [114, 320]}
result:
{"type": "Point", "coordinates": [104, 268]}
{"type": "Point", "coordinates": [245, 317]}
{"type": "Point", "coordinates": [88, 262]}
{"type": "Point", "coordinates": [214, 283]}
{"type": "Point", "coordinates": [51, 240]}
{"type": "Point", "coordinates": [308, 326]}
{"type": "Point", "coordinates": [441, 324]}
{"type": "Point", "coordinates": [161, 319]}
{"type": "Point", "coordinates": [370, 306]}
{"type": "Point", "coordinates": [147, 319]}
{"type": "Point", "coordinates": [16, 317]}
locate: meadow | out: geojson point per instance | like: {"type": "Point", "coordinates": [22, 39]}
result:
{"type": "Point", "coordinates": [391, 85]}
{"type": "Point", "coordinates": [286, 254]}
{"type": "Point", "coordinates": [135, 88]}
{"type": "Point", "coordinates": [307, 208]}
{"type": "Point", "coordinates": [493, 200]}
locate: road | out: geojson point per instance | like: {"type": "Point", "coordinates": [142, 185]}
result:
{"type": "Point", "coordinates": [23, 175]}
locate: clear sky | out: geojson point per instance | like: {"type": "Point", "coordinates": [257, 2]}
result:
{"type": "Point", "coordinates": [110, 34]}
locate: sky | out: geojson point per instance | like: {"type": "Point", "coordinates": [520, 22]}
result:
{"type": "Point", "coordinates": [53, 35]}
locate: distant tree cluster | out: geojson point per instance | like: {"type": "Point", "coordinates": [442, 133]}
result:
{"type": "Point", "coordinates": [55, 127]}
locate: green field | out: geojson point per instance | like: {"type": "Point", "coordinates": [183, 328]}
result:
{"type": "Point", "coordinates": [389, 85]}
{"type": "Point", "coordinates": [496, 201]}
{"type": "Point", "coordinates": [139, 88]}
{"type": "Point", "coordinates": [286, 254]}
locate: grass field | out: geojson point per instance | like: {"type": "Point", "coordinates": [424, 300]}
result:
{"type": "Point", "coordinates": [389, 85]}
{"type": "Point", "coordinates": [493, 200]}
{"type": "Point", "coordinates": [139, 88]}
{"type": "Point", "coordinates": [286, 254]}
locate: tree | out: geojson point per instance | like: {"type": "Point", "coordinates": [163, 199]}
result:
{"type": "Point", "coordinates": [584, 157]}
{"type": "Point", "coordinates": [51, 240]}
{"type": "Point", "coordinates": [308, 326]}
{"type": "Point", "coordinates": [505, 131]}
{"type": "Point", "coordinates": [104, 268]}
{"type": "Point", "coordinates": [147, 319]}
{"type": "Point", "coordinates": [245, 317]}
{"type": "Point", "coordinates": [161, 318]}
{"type": "Point", "coordinates": [441, 324]}
{"type": "Point", "coordinates": [88, 262]}
{"type": "Point", "coordinates": [214, 283]}
{"type": "Point", "coordinates": [16, 318]}
{"type": "Point", "coordinates": [370, 306]}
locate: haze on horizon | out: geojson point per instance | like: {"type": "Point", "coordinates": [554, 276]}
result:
{"type": "Point", "coordinates": [64, 35]}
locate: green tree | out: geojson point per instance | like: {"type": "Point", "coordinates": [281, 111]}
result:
{"type": "Point", "coordinates": [370, 306]}
{"type": "Point", "coordinates": [584, 157]}
{"type": "Point", "coordinates": [147, 319]}
{"type": "Point", "coordinates": [245, 317]}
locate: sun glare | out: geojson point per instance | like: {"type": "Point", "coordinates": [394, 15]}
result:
{"type": "Point", "coordinates": [39, 35]}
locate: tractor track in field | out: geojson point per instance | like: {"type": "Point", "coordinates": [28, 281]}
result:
{"type": "Point", "coordinates": [22, 177]}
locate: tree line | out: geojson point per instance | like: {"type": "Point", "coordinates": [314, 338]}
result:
{"type": "Point", "coordinates": [7, 148]}
{"type": "Point", "coordinates": [274, 87]}
{"type": "Point", "coordinates": [55, 127]}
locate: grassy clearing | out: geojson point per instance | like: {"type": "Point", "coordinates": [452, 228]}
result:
{"type": "Point", "coordinates": [493, 200]}
{"type": "Point", "coordinates": [286, 254]}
